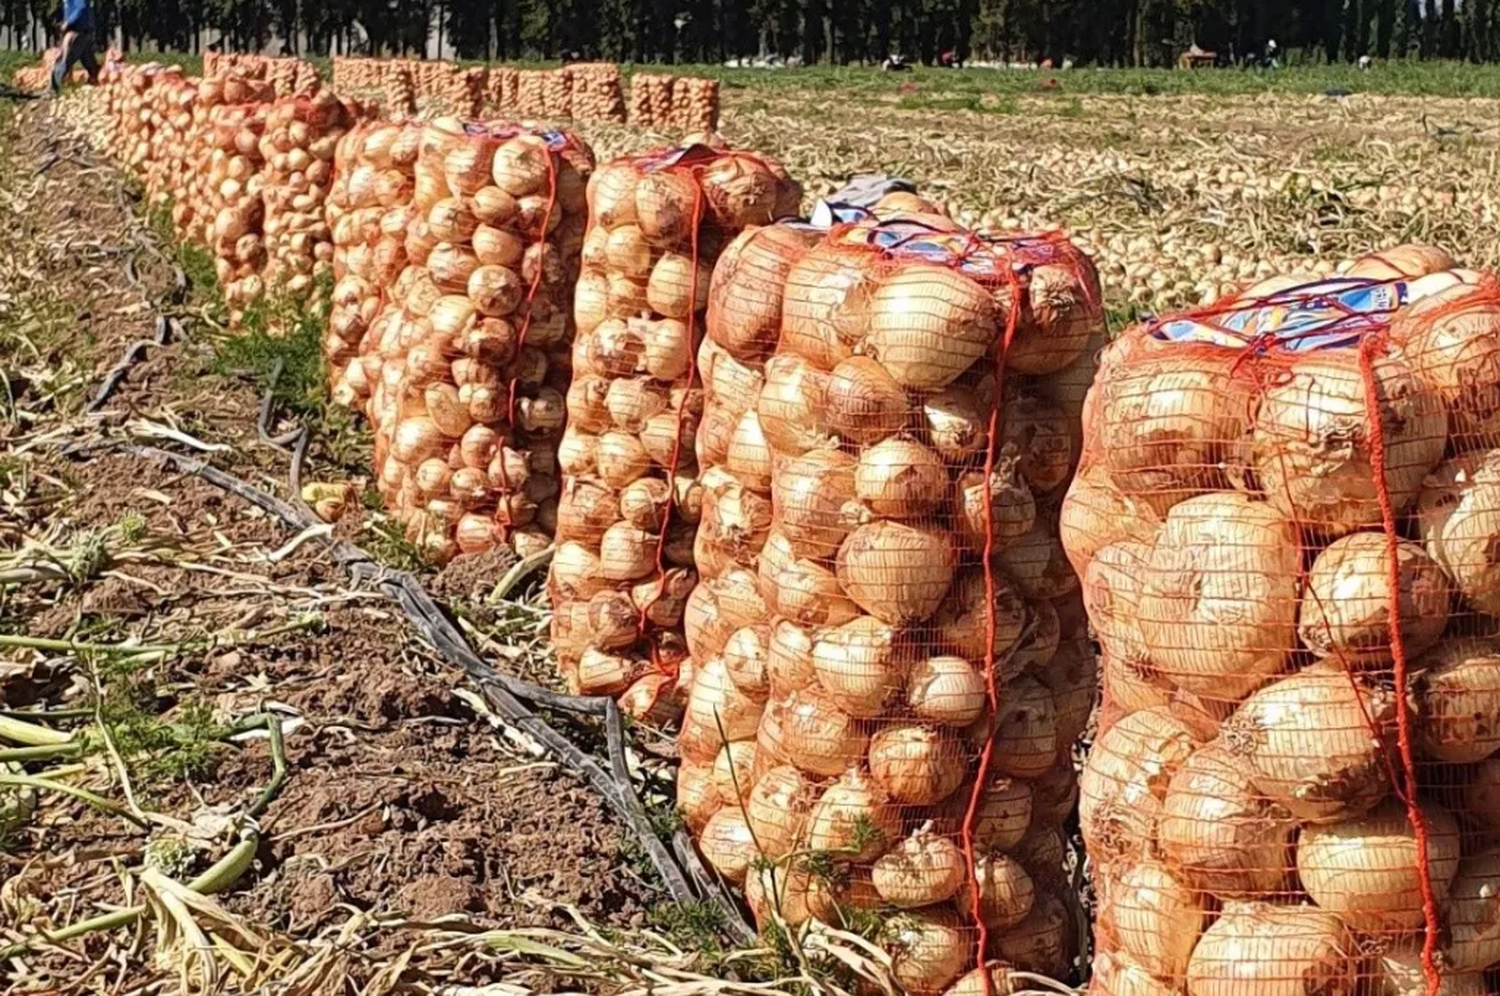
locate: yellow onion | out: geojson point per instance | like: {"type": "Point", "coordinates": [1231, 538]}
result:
{"type": "Point", "coordinates": [749, 458]}
{"type": "Point", "coordinates": [626, 553]}
{"type": "Point", "coordinates": [853, 819]}
{"type": "Point", "coordinates": [667, 206]}
{"type": "Point", "coordinates": [900, 478]}
{"type": "Point", "coordinates": [1257, 949]}
{"type": "Point", "coordinates": [1168, 424]}
{"type": "Point", "coordinates": [1072, 678]}
{"type": "Point", "coordinates": [697, 796]}
{"type": "Point", "coordinates": [1452, 341]}
{"type": "Point", "coordinates": [1458, 698]}
{"type": "Point", "coordinates": [502, 247]}
{"type": "Point", "coordinates": [1458, 512]}
{"type": "Point", "coordinates": [916, 765]}
{"type": "Point", "coordinates": [1474, 930]}
{"type": "Point", "coordinates": [1025, 730]}
{"type": "Point", "coordinates": [1039, 943]}
{"type": "Point", "coordinates": [1312, 446]}
{"type": "Point", "coordinates": [739, 191]}
{"type": "Point", "coordinates": [1367, 869]}
{"type": "Point", "coordinates": [584, 511]}
{"type": "Point", "coordinates": [792, 406]}
{"type": "Point", "coordinates": [575, 575]}
{"type": "Point", "coordinates": [1315, 742]}
{"type": "Point", "coordinates": [861, 666]}
{"type": "Point", "coordinates": [897, 573]}
{"type": "Point", "coordinates": [1401, 974]}
{"type": "Point", "coordinates": [809, 494]}
{"type": "Point", "coordinates": [956, 422]}
{"type": "Point", "coordinates": [864, 403]}
{"type": "Point", "coordinates": [667, 349]}
{"type": "Point", "coordinates": [601, 673]}
{"type": "Point", "coordinates": [1218, 833]}
{"type": "Point", "coordinates": [716, 714]}
{"type": "Point", "coordinates": [1155, 918]}
{"type": "Point", "coordinates": [995, 516]}
{"type": "Point", "coordinates": [928, 950]}
{"type": "Point", "coordinates": [1036, 433]}
{"type": "Point", "coordinates": [1006, 893]}
{"type": "Point", "coordinates": [1219, 595]}
{"type": "Point", "coordinates": [964, 619]}
{"type": "Point", "coordinates": [923, 869]}
{"type": "Point", "coordinates": [1345, 610]}
{"type": "Point", "coordinates": [611, 194]}
{"type": "Point", "coordinates": [745, 656]}
{"type": "Point", "coordinates": [1064, 305]}
{"type": "Point", "coordinates": [817, 736]}
{"type": "Point", "coordinates": [946, 690]}
{"type": "Point", "coordinates": [928, 324]}
{"type": "Point", "coordinates": [728, 845]}
{"type": "Point", "coordinates": [776, 894]}
{"type": "Point", "coordinates": [825, 304]}
{"type": "Point", "coordinates": [1094, 514]}
{"type": "Point", "coordinates": [1035, 560]}
{"type": "Point", "coordinates": [1409, 260]}
{"type": "Point", "coordinates": [620, 458]}
{"type": "Point", "coordinates": [1117, 975]}
{"type": "Point", "coordinates": [745, 296]}
{"type": "Point", "coordinates": [613, 620]}
{"type": "Point", "coordinates": [627, 252]}
{"type": "Point", "coordinates": [777, 809]}
{"type": "Point", "coordinates": [678, 285]}
{"type": "Point", "coordinates": [1125, 778]}
{"type": "Point", "coordinates": [789, 665]}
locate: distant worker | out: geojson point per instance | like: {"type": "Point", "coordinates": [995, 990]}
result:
{"type": "Point", "coordinates": [1365, 62]}
{"type": "Point", "coordinates": [895, 63]}
{"type": "Point", "coordinates": [949, 60]}
{"type": "Point", "coordinates": [1271, 50]}
{"type": "Point", "coordinates": [77, 44]}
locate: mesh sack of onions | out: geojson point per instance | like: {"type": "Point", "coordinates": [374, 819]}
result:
{"type": "Point", "coordinates": [695, 104]}
{"type": "Point", "coordinates": [888, 727]}
{"type": "Point", "coordinates": [369, 210]}
{"type": "Point", "coordinates": [650, 100]}
{"type": "Point", "coordinates": [629, 507]}
{"type": "Point", "coordinates": [190, 209]}
{"type": "Point", "coordinates": [470, 404]}
{"type": "Point", "coordinates": [557, 92]}
{"type": "Point", "coordinates": [298, 145]}
{"type": "Point", "coordinates": [231, 210]}
{"type": "Point", "coordinates": [598, 96]}
{"type": "Point", "coordinates": [1295, 496]}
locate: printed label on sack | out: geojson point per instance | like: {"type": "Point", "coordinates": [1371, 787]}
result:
{"type": "Point", "coordinates": [1329, 314]}
{"type": "Point", "coordinates": [981, 257]}
{"type": "Point", "coordinates": [826, 214]}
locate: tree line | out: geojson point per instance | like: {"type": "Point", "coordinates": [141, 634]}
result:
{"type": "Point", "coordinates": [1097, 32]}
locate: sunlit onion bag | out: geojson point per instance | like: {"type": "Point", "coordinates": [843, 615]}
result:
{"type": "Point", "coordinates": [298, 146]}
{"type": "Point", "coordinates": [1287, 523]}
{"type": "Point", "coordinates": [888, 728]}
{"type": "Point", "coordinates": [230, 210]}
{"type": "Point", "coordinates": [369, 211]}
{"type": "Point", "coordinates": [629, 508]}
{"type": "Point", "coordinates": [469, 407]}
{"type": "Point", "coordinates": [171, 109]}
{"type": "Point", "coordinates": [192, 193]}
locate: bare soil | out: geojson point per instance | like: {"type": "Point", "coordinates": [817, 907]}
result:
{"type": "Point", "coordinates": [401, 806]}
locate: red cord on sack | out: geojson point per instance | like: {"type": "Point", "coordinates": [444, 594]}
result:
{"type": "Point", "coordinates": [992, 689]}
{"type": "Point", "coordinates": [531, 292]}
{"type": "Point", "coordinates": [1431, 923]}
{"type": "Point", "coordinates": [672, 669]}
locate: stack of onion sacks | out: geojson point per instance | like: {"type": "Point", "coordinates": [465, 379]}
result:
{"type": "Point", "coordinates": [470, 407]}
{"type": "Point", "coordinates": [1286, 509]}
{"type": "Point", "coordinates": [231, 210]}
{"type": "Point", "coordinates": [630, 502]}
{"type": "Point", "coordinates": [651, 100]}
{"type": "Point", "coordinates": [298, 147]}
{"type": "Point", "coordinates": [695, 104]}
{"type": "Point", "coordinates": [369, 210]}
{"type": "Point", "coordinates": [882, 723]}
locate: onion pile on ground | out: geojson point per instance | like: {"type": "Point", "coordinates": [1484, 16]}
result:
{"type": "Point", "coordinates": [853, 736]}
{"type": "Point", "coordinates": [1288, 507]}
{"type": "Point", "coordinates": [630, 502]}
{"type": "Point", "coordinates": [469, 405]}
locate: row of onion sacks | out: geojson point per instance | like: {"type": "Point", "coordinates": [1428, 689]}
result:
{"type": "Point", "coordinates": [888, 730]}
{"type": "Point", "coordinates": [630, 502]}
{"type": "Point", "coordinates": [470, 408]}
{"type": "Point", "coordinates": [368, 211]}
{"type": "Point", "coordinates": [1287, 524]}
{"type": "Point", "coordinates": [298, 145]}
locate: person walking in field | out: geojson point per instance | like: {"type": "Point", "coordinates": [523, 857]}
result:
{"type": "Point", "coordinates": [77, 44]}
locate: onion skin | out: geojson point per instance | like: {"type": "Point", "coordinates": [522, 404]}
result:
{"type": "Point", "coordinates": [1125, 777]}
{"type": "Point", "coordinates": [863, 401]}
{"type": "Point", "coordinates": [1315, 741]}
{"type": "Point", "coordinates": [817, 736]}
{"type": "Point", "coordinates": [928, 950]}
{"type": "Point", "coordinates": [827, 282]}
{"type": "Point", "coordinates": [1311, 445]}
{"type": "Point", "coordinates": [1006, 892]}
{"type": "Point", "coordinates": [1218, 834]}
{"type": "Point", "coordinates": [861, 666]}
{"type": "Point", "coordinates": [1452, 340]}
{"type": "Point", "coordinates": [1458, 512]}
{"type": "Point", "coordinates": [1155, 918]}
{"type": "Point", "coordinates": [1219, 595]}
{"type": "Point", "coordinates": [948, 691]}
{"type": "Point", "coordinates": [809, 494]}
{"type": "Point", "coordinates": [1345, 612]}
{"type": "Point", "coordinates": [900, 479]}
{"type": "Point", "coordinates": [928, 324]}
{"type": "Point", "coordinates": [963, 620]}
{"type": "Point", "coordinates": [1458, 701]}
{"type": "Point", "coordinates": [1095, 514]}
{"type": "Point", "coordinates": [777, 809]}
{"type": "Point", "coordinates": [745, 295]}
{"type": "Point", "coordinates": [916, 765]}
{"type": "Point", "coordinates": [853, 819]}
{"type": "Point", "coordinates": [895, 572]}
{"type": "Point", "coordinates": [1256, 949]}
{"type": "Point", "coordinates": [921, 870]}
{"type": "Point", "coordinates": [1366, 870]}
{"type": "Point", "coordinates": [728, 845]}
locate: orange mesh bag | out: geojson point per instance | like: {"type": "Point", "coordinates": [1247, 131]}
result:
{"type": "Point", "coordinates": [190, 178]}
{"type": "Point", "coordinates": [890, 735]}
{"type": "Point", "coordinates": [470, 405]}
{"type": "Point", "coordinates": [232, 209]}
{"type": "Point", "coordinates": [1279, 527]}
{"type": "Point", "coordinates": [557, 93]}
{"type": "Point", "coordinates": [171, 110]}
{"type": "Point", "coordinates": [298, 145]}
{"type": "Point", "coordinates": [530, 99]}
{"type": "Point", "coordinates": [695, 104]}
{"type": "Point", "coordinates": [651, 100]}
{"type": "Point", "coordinates": [597, 93]}
{"type": "Point", "coordinates": [629, 508]}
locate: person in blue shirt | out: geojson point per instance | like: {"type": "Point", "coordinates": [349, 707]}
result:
{"type": "Point", "coordinates": [77, 44]}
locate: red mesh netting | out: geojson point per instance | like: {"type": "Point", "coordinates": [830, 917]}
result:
{"type": "Point", "coordinates": [1286, 525]}
{"type": "Point", "coordinates": [473, 349]}
{"type": "Point", "coordinates": [631, 498]}
{"type": "Point", "coordinates": [883, 712]}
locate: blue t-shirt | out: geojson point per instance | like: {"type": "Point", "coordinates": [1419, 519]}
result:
{"type": "Point", "coordinates": [77, 15]}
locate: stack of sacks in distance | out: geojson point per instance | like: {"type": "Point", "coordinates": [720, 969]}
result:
{"type": "Point", "coordinates": [888, 728]}
{"type": "Point", "coordinates": [674, 103]}
{"type": "Point", "coordinates": [468, 408]}
{"type": "Point", "coordinates": [530, 100]}
{"type": "Point", "coordinates": [369, 212]}
{"type": "Point", "coordinates": [623, 570]}
{"type": "Point", "coordinates": [1288, 527]}
{"type": "Point", "coordinates": [598, 97]}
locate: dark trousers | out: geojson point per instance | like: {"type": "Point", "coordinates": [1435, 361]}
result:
{"type": "Point", "coordinates": [77, 48]}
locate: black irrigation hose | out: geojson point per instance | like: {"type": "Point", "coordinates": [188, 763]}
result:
{"type": "Point", "coordinates": [501, 692]}
{"type": "Point", "coordinates": [166, 330]}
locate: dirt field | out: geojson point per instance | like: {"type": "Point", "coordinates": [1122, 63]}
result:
{"type": "Point", "coordinates": [406, 825]}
